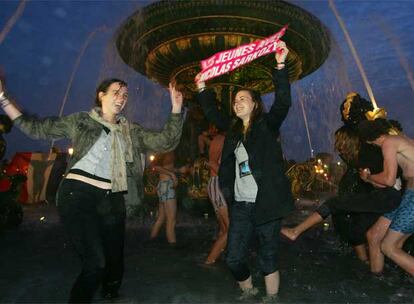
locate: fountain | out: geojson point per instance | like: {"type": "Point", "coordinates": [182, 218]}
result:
{"type": "Point", "coordinates": [168, 39]}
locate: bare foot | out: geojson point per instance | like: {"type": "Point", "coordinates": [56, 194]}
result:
{"type": "Point", "coordinates": [290, 233]}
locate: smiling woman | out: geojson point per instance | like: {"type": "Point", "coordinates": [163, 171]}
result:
{"type": "Point", "coordinates": [111, 96]}
{"type": "Point", "coordinates": [105, 166]}
{"type": "Point", "coordinates": [251, 175]}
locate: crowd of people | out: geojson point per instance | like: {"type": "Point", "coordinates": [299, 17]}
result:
{"type": "Point", "coordinates": [248, 188]}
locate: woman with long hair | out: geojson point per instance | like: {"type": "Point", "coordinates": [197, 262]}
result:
{"type": "Point", "coordinates": [105, 165]}
{"type": "Point", "coordinates": [252, 177]}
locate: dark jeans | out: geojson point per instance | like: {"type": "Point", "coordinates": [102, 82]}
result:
{"type": "Point", "coordinates": [95, 222]}
{"type": "Point", "coordinates": [376, 201]}
{"type": "Point", "coordinates": [242, 228]}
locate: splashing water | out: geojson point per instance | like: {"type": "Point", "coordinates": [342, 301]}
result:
{"type": "Point", "coordinates": [395, 42]}
{"type": "Point", "coordinates": [148, 102]}
{"type": "Point", "coordinates": [305, 118]}
{"type": "Point", "coordinates": [12, 21]}
{"type": "Point", "coordinates": [74, 70]}
{"type": "Point", "coordinates": [321, 94]}
{"type": "Point", "coordinates": [354, 54]}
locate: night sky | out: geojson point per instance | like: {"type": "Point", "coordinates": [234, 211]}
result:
{"type": "Point", "coordinates": [39, 54]}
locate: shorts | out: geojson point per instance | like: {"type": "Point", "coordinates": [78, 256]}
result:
{"type": "Point", "coordinates": [402, 218]}
{"type": "Point", "coordinates": [214, 193]}
{"type": "Point", "coordinates": [165, 190]}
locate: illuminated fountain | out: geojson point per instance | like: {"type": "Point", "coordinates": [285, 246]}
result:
{"type": "Point", "coordinates": [168, 39]}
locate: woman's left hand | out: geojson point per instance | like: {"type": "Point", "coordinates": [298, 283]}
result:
{"type": "Point", "coordinates": [281, 51]}
{"type": "Point", "coordinates": [176, 98]}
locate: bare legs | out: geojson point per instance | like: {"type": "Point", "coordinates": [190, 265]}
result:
{"type": "Point", "coordinates": [312, 220]}
{"type": "Point", "coordinates": [272, 282]}
{"type": "Point", "coordinates": [221, 241]}
{"type": "Point", "coordinates": [391, 246]}
{"type": "Point", "coordinates": [361, 253]}
{"type": "Point", "coordinates": [295, 232]}
{"type": "Point", "coordinates": [167, 212]}
{"type": "Point", "coordinates": [375, 235]}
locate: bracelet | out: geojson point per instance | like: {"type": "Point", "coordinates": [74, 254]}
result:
{"type": "Point", "coordinates": [4, 102]}
{"type": "Point", "coordinates": [280, 66]}
{"type": "Point", "coordinates": [202, 89]}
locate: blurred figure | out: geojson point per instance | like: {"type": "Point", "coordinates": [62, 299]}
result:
{"type": "Point", "coordinates": [217, 199]}
{"type": "Point", "coordinates": [397, 226]}
{"type": "Point", "coordinates": [361, 202]}
{"type": "Point", "coordinates": [167, 208]}
{"type": "Point", "coordinates": [205, 138]}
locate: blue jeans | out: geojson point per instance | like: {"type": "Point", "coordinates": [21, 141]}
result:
{"type": "Point", "coordinates": [94, 220]}
{"type": "Point", "coordinates": [241, 231]}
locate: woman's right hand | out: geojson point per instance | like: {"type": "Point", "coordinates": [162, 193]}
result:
{"type": "Point", "coordinates": [200, 84]}
{"type": "Point", "coordinates": [281, 52]}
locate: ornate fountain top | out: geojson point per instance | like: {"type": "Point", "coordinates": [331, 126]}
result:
{"type": "Point", "coordinates": [168, 39]}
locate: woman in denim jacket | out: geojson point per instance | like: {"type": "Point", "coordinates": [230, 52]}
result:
{"type": "Point", "coordinates": [106, 165]}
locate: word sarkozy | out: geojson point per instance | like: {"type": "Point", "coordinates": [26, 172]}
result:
{"type": "Point", "coordinates": [226, 61]}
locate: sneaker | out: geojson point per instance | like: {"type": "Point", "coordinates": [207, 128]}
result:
{"type": "Point", "coordinates": [248, 293]}
{"type": "Point", "coordinates": [270, 299]}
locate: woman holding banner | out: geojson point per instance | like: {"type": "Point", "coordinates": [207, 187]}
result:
{"type": "Point", "coordinates": [252, 176]}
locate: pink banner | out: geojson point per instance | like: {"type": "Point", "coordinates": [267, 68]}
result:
{"type": "Point", "coordinates": [226, 61]}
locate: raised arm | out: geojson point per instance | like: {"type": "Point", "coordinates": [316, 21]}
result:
{"type": "Point", "coordinates": [47, 128]}
{"type": "Point", "coordinates": [169, 137]}
{"type": "Point", "coordinates": [207, 100]}
{"type": "Point", "coordinates": [283, 99]}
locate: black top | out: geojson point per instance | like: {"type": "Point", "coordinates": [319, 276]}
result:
{"type": "Point", "coordinates": [262, 143]}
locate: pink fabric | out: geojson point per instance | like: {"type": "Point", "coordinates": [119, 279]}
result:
{"type": "Point", "coordinates": [226, 61]}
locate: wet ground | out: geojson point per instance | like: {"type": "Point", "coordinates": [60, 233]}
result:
{"type": "Point", "coordinates": [37, 265]}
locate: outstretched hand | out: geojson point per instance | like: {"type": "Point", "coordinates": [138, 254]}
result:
{"type": "Point", "coordinates": [281, 51]}
{"type": "Point", "coordinates": [176, 98]}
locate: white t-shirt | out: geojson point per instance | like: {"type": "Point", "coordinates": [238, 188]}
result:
{"type": "Point", "coordinates": [245, 187]}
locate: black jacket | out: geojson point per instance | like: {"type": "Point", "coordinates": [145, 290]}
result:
{"type": "Point", "coordinates": [274, 198]}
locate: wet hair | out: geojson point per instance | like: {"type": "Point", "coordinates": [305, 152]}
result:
{"type": "Point", "coordinates": [353, 109]}
{"type": "Point", "coordinates": [103, 87]}
{"type": "Point", "coordinates": [237, 124]}
{"type": "Point", "coordinates": [370, 130]}
{"type": "Point", "coordinates": [395, 124]}
{"type": "Point", "coordinates": [347, 144]}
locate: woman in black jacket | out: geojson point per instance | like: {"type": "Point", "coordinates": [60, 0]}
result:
{"type": "Point", "coordinates": [252, 176]}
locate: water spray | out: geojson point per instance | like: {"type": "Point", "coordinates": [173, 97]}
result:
{"type": "Point", "coordinates": [75, 69]}
{"type": "Point", "coordinates": [12, 21]}
{"type": "Point", "coordinates": [354, 54]}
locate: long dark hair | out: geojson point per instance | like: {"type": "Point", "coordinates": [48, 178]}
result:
{"type": "Point", "coordinates": [103, 87]}
{"type": "Point", "coordinates": [237, 124]}
{"type": "Point", "coordinates": [347, 144]}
